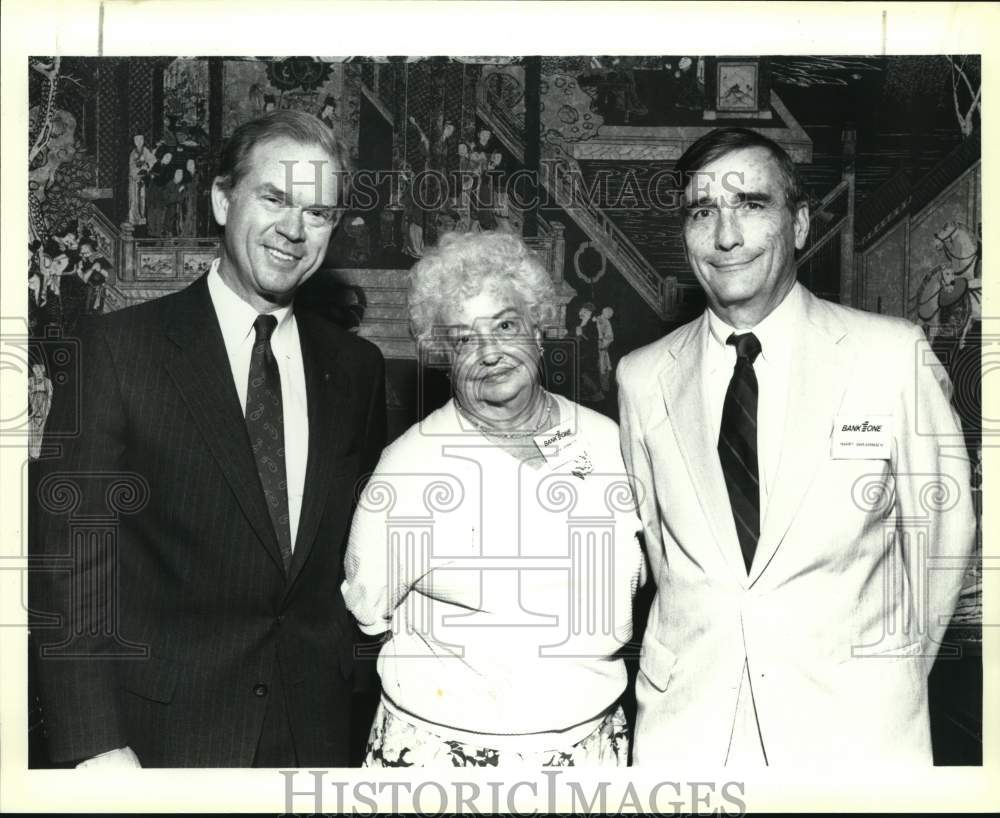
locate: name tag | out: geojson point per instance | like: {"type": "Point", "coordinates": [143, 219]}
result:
{"type": "Point", "coordinates": [861, 437]}
{"type": "Point", "coordinates": [563, 445]}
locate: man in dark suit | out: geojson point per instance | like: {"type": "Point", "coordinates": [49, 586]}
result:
{"type": "Point", "coordinates": [225, 432]}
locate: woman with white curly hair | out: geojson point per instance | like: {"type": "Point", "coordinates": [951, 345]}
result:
{"type": "Point", "coordinates": [496, 540]}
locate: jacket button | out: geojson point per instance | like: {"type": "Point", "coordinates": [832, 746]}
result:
{"type": "Point", "coordinates": [260, 690]}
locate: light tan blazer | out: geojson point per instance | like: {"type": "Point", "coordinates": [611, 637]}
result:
{"type": "Point", "coordinates": [858, 566]}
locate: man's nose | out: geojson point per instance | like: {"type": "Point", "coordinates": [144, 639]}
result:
{"type": "Point", "coordinates": [727, 230]}
{"type": "Point", "coordinates": [291, 224]}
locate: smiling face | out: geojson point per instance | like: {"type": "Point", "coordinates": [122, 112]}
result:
{"type": "Point", "coordinates": [741, 236]}
{"type": "Point", "coordinates": [278, 219]}
{"type": "Point", "coordinates": [495, 357]}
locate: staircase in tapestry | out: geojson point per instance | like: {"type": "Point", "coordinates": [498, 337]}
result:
{"type": "Point", "coordinates": [643, 242]}
{"type": "Point", "coordinates": [561, 176]}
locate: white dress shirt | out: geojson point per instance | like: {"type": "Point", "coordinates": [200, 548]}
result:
{"type": "Point", "coordinates": [777, 334]}
{"type": "Point", "coordinates": [236, 318]}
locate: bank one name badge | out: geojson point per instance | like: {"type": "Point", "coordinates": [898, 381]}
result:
{"type": "Point", "coordinates": [861, 437]}
{"type": "Point", "coordinates": [563, 446]}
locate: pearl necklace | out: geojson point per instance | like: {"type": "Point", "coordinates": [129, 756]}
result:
{"type": "Point", "coordinates": [486, 430]}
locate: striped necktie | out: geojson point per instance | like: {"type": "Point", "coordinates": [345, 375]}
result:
{"type": "Point", "coordinates": [266, 427]}
{"type": "Point", "coordinates": [738, 444]}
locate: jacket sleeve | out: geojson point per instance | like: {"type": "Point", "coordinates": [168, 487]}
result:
{"type": "Point", "coordinates": [73, 576]}
{"type": "Point", "coordinates": [375, 429]}
{"type": "Point", "coordinates": [934, 494]}
{"type": "Point", "coordinates": [637, 463]}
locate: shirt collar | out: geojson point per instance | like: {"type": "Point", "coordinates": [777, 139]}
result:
{"type": "Point", "coordinates": [236, 316]}
{"type": "Point", "coordinates": [776, 332]}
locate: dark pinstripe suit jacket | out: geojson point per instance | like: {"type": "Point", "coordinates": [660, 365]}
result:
{"type": "Point", "coordinates": [177, 619]}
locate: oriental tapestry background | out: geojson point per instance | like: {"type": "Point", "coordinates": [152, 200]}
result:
{"type": "Point", "coordinates": [574, 153]}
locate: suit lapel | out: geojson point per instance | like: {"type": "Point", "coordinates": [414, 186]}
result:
{"type": "Point", "coordinates": [326, 391]}
{"type": "Point", "coordinates": [683, 390]}
{"type": "Point", "coordinates": [202, 374]}
{"type": "Point", "coordinates": [819, 374]}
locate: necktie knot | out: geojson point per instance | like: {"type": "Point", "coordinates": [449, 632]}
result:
{"type": "Point", "coordinates": [263, 326]}
{"type": "Point", "coordinates": [747, 346]}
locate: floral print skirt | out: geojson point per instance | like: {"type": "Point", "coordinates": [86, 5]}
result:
{"type": "Point", "coordinates": [396, 742]}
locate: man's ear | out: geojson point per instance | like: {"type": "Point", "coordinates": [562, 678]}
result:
{"type": "Point", "coordinates": [220, 201]}
{"type": "Point", "coordinates": [801, 225]}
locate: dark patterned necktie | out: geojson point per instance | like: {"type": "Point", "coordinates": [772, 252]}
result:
{"type": "Point", "coordinates": [738, 444]}
{"type": "Point", "coordinates": [266, 426]}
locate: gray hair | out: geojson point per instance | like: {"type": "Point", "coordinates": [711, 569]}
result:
{"type": "Point", "coordinates": [464, 264]}
{"type": "Point", "coordinates": [298, 126]}
{"type": "Point", "coordinates": [723, 141]}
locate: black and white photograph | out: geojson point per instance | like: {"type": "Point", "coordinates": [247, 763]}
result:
{"type": "Point", "coordinates": [612, 411]}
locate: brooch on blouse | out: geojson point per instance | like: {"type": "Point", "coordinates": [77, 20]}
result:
{"type": "Point", "coordinates": [582, 465]}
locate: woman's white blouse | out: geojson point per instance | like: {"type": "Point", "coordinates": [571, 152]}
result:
{"type": "Point", "coordinates": [507, 589]}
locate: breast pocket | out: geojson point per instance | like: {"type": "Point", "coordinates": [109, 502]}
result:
{"type": "Point", "coordinates": [656, 663]}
